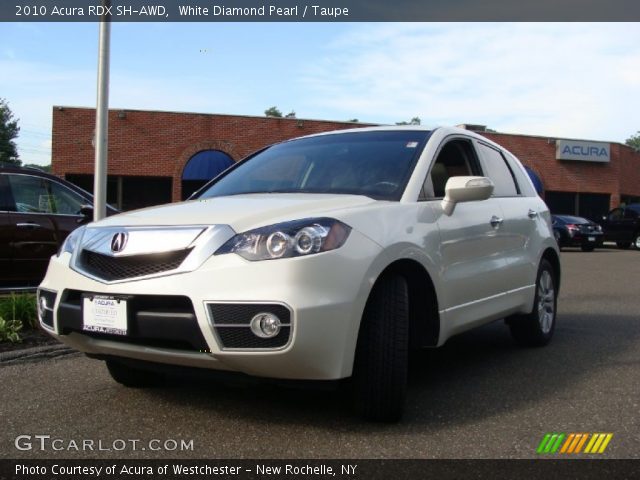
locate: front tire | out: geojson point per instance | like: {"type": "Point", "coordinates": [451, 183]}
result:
{"type": "Point", "coordinates": [536, 328]}
{"type": "Point", "coordinates": [382, 353]}
{"type": "Point", "coordinates": [134, 377]}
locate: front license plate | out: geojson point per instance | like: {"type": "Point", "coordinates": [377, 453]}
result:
{"type": "Point", "coordinates": [592, 239]}
{"type": "Point", "coordinates": [104, 314]}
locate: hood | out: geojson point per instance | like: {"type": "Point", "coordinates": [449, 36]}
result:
{"type": "Point", "coordinates": [240, 212]}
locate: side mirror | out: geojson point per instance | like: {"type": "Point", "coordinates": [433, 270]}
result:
{"type": "Point", "coordinates": [87, 213]}
{"type": "Point", "coordinates": [465, 189]}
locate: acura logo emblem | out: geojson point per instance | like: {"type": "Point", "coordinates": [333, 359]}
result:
{"type": "Point", "coordinates": [119, 241]}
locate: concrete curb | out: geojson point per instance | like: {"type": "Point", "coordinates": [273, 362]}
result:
{"type": "Point", "coordinates": [35, 354]}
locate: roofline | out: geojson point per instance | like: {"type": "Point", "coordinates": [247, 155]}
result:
{"type": "Point", "coordinates": [207, 114]}
{"type": "Point", "coordinates": [551, 138]}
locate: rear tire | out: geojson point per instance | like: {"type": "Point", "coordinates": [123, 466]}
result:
{"type": "Point", "coordinates": [536, 328]}
{"type": "Point", "coordinates": [382, 353]}
{"type": "Point", "coordinates": [134, 377]}
{"type": "Point", "coordinates": [623, 245]}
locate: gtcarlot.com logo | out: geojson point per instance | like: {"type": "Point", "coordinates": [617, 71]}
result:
{"type": "Point", "coordinates": [574, 443]}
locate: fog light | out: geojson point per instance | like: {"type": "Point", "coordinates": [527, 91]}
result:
{"type": "Point", "coordinates": [265, 325]}
{"type": "Point", "coordinates": [43, 306]}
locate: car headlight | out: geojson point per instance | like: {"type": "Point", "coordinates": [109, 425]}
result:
{"type": "Point", "coordinates": [290, 239]}
{"type": "Point", "coordinates": [70, 243]}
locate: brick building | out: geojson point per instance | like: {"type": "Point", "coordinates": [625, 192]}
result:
{"type": "Point", "coordinates": [157, 157]}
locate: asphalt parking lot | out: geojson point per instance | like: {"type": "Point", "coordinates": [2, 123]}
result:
{"type": "Point", "coordinates": [480, 396]}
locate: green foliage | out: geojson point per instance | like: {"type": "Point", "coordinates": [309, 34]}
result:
{"type": "Point", "coordinates": [273, 112]}
{"type": "Point", "coordinates": [353, 120]}
{"type": "Point", "coordinates": [634, 141]}
{"type": "Point", "coordinates": [413, 121]}
{"type": "Point", "coordinates": [9, 330]}
{"type": "Point", "coordinates": [21, 308]}
{"type": "Point", "coordinates": [8, 132]}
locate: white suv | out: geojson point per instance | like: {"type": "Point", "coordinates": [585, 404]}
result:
{"type": "Point", "coordinates": [319, 258]}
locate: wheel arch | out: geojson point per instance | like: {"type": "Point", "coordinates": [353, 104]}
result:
{"type": "Point", "coordinates": [552, 257]}
{"type": "Point", "coordinates": [424, 318]}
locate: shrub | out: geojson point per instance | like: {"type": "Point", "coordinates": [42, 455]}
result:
{"type": "Point", "coordinates": [9, 330]}
{"type": "Point", "coordinates": [20, 307]}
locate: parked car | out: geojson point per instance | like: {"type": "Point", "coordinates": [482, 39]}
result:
{"type": "Point", "coordinates": [37, 212]}
{"type": "Point", "coordinates": [319, 258]}
{"type": "Point", "coordinates": [572, 231]}
{"type": "Point", "coordinates": [622, 225]}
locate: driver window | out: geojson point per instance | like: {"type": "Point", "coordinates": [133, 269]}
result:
{"type": "Point", "coordinates": [455, 159]}
{"type": "Point", "coordinates": [40, 195]}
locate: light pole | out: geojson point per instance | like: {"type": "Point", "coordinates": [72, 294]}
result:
{"type": "Point", "coordinates": [102, 117]}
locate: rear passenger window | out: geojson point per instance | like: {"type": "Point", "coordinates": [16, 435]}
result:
{"type": "Point", "coordinates": [499, 172]}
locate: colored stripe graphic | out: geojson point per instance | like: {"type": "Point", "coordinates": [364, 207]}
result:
{"type": "Point", "coordinates": [573, 443]}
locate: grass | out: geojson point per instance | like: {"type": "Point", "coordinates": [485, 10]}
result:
{"type": "Point", "coordinates": [17, 311]}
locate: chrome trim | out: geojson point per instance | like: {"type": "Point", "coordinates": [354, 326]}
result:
{"type": "Point", "coordinates": [53, 309]}
{"type": "Point", "coordinates": [486, 299]}
{"type": "Point", "coordinates": [141, 240]}
{"type": "Point", "coordinates": [218, 340]}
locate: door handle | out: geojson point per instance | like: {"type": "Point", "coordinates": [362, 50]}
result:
{"type": "Point", "coordinates": [28, 225]}
{"type": "Point", "coordinates": [532, 213]}
{"type": "Point", "coordinates": [496, 221]}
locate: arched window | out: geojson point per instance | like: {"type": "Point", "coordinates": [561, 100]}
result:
{"type": "Point", "coordinates": [201, 168]}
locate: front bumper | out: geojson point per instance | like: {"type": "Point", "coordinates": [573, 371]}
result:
{"type": "Point", "coordinates": [324, 293]}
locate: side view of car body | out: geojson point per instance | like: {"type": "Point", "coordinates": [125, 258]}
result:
{"type": "Point", "coordinates": [37, 212]}
{"type": "Point", "coordinates": [321, 258]}
{"type": "Point", "coordinates": [622, 225]}
{"type": "Point", "coordinates": [572, 231]}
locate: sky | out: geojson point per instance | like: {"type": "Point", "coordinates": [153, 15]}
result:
{"type": "Point", "coordinates": [562, 80]}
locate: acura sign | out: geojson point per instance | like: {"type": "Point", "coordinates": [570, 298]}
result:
{"type": "Point", "coordinates": [585, 151]}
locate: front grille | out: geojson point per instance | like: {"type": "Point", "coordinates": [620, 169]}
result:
{"type": "Point", "coordinates": [118, 268]}
{"type": "Point", "coordinates": [231, 323]}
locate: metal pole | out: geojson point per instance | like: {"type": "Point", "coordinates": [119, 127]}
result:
{"type": "Point", "coordinates": [102, 118]}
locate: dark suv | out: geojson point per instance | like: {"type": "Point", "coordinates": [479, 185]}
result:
{"type": "Point", "coordinates": [37, 212]}
{"type": "Point", "coordinates": [622, 225]}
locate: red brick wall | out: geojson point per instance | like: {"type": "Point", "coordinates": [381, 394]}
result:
{"type": "Point", "coordinates": [147, 143]}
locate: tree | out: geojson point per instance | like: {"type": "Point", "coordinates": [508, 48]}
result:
{"type": "Point", "coordinates": [291, 114]}
{"type": "Point", "coordinates": [8, 131]}
{"type": "Point", "coordinates": [413, 121]}
{"type": "Point", "coordinates": [273, 112]}
{"type": "Point", "coordinates": [634, 141]}
{"type": "Point", "coordinates": [353, 120]}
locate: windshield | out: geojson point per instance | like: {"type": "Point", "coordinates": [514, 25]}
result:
{"type": "Point", "coordinates": [376, 164]}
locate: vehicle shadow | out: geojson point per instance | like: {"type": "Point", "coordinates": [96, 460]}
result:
{"type": "Point", "coordinates": [476, 375]}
